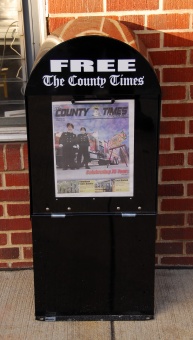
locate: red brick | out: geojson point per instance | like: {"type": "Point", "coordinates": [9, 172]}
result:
{"type": "Point", "coordinates": [178, 174]}
{"type": "Point", "coordinates": [164, 144]}
{"type": "Point", "coordinates": [133, 22]}
{"type": "Point", "coordinates": [18, 209]}
{"type": "Point", "coordinates": [2, 166]}
{"type": "Point", "coordinates": [180, 204]}
{"type": "Point", "coordinates": [190, 189]}
{"type": "Point", "coordinates": [169, 248]}
{"type": "Point", "coordinates": [170, 219]}
{"type": "Point", "coordinates": [171, 159]}
{"type": "Point", "coordinates": [15, 224]}
{"type": "Point", "coordinates": [142, 48]}
{"type": "Point", "coordinates": [177, 233]}
{"type": "Point", "coordinates": [191, 126]}
{"type": "Point", "coordinates": [180, 261]}
{"type": "Point", "coordinates": [173, 92]}
{"type": "Point", "coordinates": [113, 17]}
{"type": "Point", "coordinates": [28, 253]}
{"type": "Point", "coordinates": [22, 265]}
{"type": "Point", "coordinates": [109, 27]}
{"type": "Point", "coordinates": [54, 23]}
{"type": "Point", "coordinates": [14, 195]}
{"type": "Point", "coordinates": [25, 156]}
{"type": "Point", "coordinates": [13, 156]}
{"type": "Point", "coordinates": [9, 253]}
{"type": "Point", "coordinates": [170, 189]}
{"type": "Point", "coordinates": [168, 57]}
{"type": "Point", "coordinates": [76, 28]}
{"type": "Point", "coordinates": [183, 143]}
{"type": "Point", "coordinates": [189, 248]}
{"type": "Point", "coordinates": [190, 158]}
{"type": "Point", "coordinates": [191, 91]}
{"type": "Point", "coordinates": [3, 239]}
{"type": "Point", "coordinates": [74, 6]}
{"type": "Point", "coordinates": [178, 39]}
{"type": "Point", "coordinates": [179, 75]}
{"type": "Point", "coordinates": [190, 219]}
{"type": "Point", "coordinates": [180, 4]}
{"type": "Point", "coordinates": [151, 40]}
{"type": "Point", "coordinates": [168, 21]}
{"type": "Point", "coordinates": [191, 56]}
{"type": "Point", "coordinates": [172, 127]}
{"type": "Point", "coordinates": [177, 110]}
{"type": "Point", "coordinates": [3, 265]}
{"type": "Point", "coordinates": [21, 238]}
{"type": "Point", "coordinates": [1, 210]}
{"type": "Point", "coordinates": [17, 179]}
{"type": "Point", "coordinates": [132, 5]}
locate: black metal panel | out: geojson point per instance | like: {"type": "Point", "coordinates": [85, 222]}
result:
{"type": "Point", "coordinates": [42, 169]}
{"type": "Point", "coordinates": [94, 263]}
{"type": "Point", "coordinates": [92, 48]}
{"type": "Point", "coordinates": [39, 100]}
{"type": "Point", "coordinates": [93, 266]}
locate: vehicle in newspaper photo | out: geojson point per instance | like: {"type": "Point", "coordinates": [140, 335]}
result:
{"type": "Point", "coordinates": [93, 146]}
{"type": "Point", "coordinates": [101, 152]}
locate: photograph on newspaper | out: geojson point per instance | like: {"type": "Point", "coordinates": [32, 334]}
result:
{"type": "Point", "coordinates": [93, 145]}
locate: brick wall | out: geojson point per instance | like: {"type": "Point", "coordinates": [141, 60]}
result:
{"type": "Point", "coordinates": [166, 28]}
{"type": "Point", "coordinates": [15, 226]}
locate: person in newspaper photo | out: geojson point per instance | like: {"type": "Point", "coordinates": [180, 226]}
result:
{"type": "Point", "coordinates": [68, 143]}
{"type": "Point", "coordinates": [83, 153]}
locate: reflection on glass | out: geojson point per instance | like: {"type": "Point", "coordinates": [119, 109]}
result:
{"type": "Point", "coordinates": [12, 64]}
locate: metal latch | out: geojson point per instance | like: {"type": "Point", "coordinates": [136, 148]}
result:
{"type": "Point", "coordinates": [58, 215]}
{"type": "Point", "coordinates": [128, 215]}
{"type": "Point", "coordinates": [50, 318]}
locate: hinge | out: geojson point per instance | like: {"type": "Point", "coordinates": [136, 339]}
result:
{"type": "Point", "coordinates": [58, 215]}
{"type": "Point", "coordinates": [128, 215]}
{"type": "Point", "coordinates": [50, 318]}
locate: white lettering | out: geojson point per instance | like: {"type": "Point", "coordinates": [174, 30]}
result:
{"type": "Point", "coordinates": [71, 81]}
{"type": "Point", "coordinates": [56, 65]}
{"type": "Point", "coordinates": [141, 80]}
{"type": "Point", "coordinates": [75, 81]}
{"type": "Point", "coordinates": [47, 80]}
{"type": "Point", "coordinates": [81, 66]}
{"type": "Point", "coordinates": [126, 65]}
{"type": "Point", "coordinates": [53, 81]}
{"type": "Point", "coordinates": [116, 80]}
{"type": "Point", "coordinates": [105, 65]}
{"type": "Point", "coordinates": [102, 65]}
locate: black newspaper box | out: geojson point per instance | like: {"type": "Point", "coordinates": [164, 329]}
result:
{"type": "Point", "coordinates": [93, 125]}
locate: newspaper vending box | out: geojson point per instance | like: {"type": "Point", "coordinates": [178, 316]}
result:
{"type": "Point", "coordinates": [92, 117]}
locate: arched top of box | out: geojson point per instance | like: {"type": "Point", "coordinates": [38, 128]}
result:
{"type": "Point", "coordinates": [92, 65]}
{"type": "Point", "coordinates": [87, 26]}
{"type": "Point", "coordinates": [103, 84]}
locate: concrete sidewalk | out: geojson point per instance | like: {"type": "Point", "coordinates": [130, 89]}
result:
{"type": "Point", "coordinates": [173, 313]}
